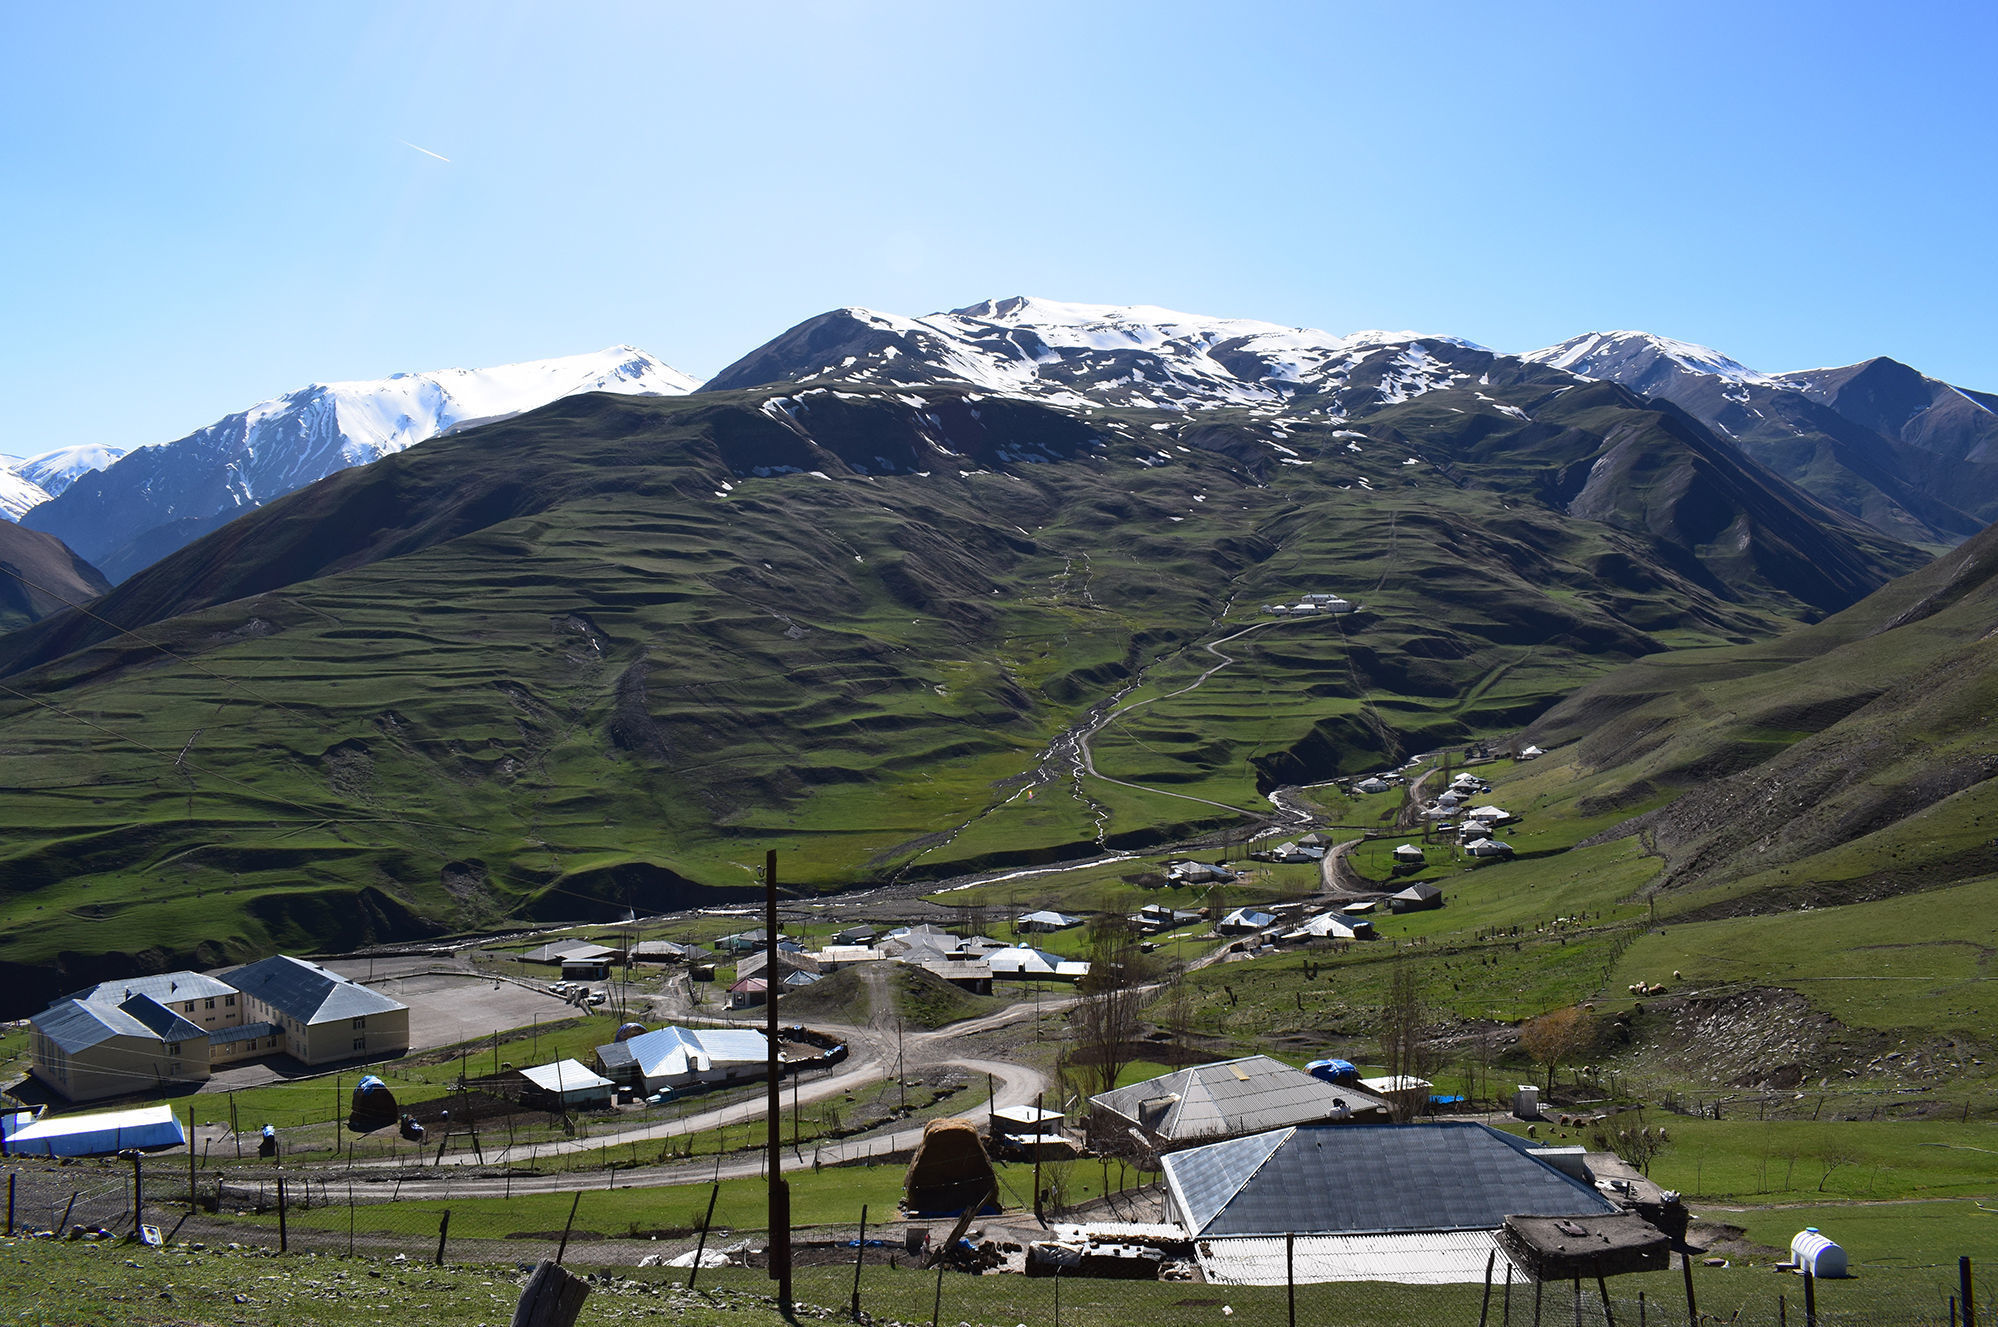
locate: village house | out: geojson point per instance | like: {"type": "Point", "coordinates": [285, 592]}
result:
{"type": "Point", "coordinates": [145, 1033]}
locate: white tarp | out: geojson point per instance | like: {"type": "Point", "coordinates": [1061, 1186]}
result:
{"type": "Point", "coordinates": [98, 1134]}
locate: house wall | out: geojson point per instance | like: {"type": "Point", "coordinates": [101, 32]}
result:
{"type": "Point", "coordinates": [118, 1066]}
{"type": "Point", "coordinates": [247, 1048]}
{"type": "Point", "coordinates": [325, 1043]}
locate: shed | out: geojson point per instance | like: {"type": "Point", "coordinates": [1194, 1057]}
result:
{"type": "Point", "coordinates": [1416, 898]}
{"type": "Point", "coordinates": [566, 1084]}
{"type": "Point", "coordinates": [1244, 920]}
{"type": "Point", "coordinates": [101, 1133]}
{"type": "Point", "coordinates": [1488, 848]}
{"type": "Point", "coordinates": [748, 993]}
{"type": "Point", "coordinates": [1563, 1248]}
{"type": "Point", "coordinates": [1026, 1120]}
{"type": "Point", "coordinates": [586, 969]}
{"type": "Point", "coordinates": [949, 1172]}
{"type": "Point", "coordinates": [1045, 920]}
{"type": "Point", "coordinates": [1409, 854]}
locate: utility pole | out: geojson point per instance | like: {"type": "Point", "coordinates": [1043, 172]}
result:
{"type": "Point", "coordinates": [780, 1192]}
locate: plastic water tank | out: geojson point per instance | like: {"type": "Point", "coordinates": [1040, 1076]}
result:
{"type": "Point", "coordinates": [1815, 1254]}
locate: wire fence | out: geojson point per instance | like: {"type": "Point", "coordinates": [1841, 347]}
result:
{"type": "Point", "coordinates": [900, 1271]}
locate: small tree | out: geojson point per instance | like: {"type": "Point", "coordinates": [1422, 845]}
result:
{"type": "Point", "coordinates": [1107, 1019]}
{"type": "Point", "coordinates": [1404, 1036]}
{"type": "Point", "coordinates": [1636, 1142]}
{"type": "Point", "coordinates": [1557, 1038]}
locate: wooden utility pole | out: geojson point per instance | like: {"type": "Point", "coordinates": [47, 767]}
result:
{"type": "Point", "coordinates": [780, 1192]}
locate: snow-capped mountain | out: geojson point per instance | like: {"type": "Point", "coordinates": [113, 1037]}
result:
{"type": "Point", "coordinates": [157, 499]}
{"type": "Point", "coordinates": [1088, 356]}
{"type": "Point", "coordinates": [55, 471]}
{"type": "Point", "coordinates": [19, 495]}
{"type": "Point", "coordinates": [1913, 456]}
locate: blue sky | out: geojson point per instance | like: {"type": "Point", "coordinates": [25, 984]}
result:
{"type": "Point", "coordinates": [203, 206]}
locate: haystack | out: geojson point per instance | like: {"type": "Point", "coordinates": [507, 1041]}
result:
{"type": "Point", "coordinates": [949, 1172]}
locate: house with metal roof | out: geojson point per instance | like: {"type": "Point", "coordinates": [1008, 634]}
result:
{"type": "Point", "coordinates": [88, 1051]}
{"type": "Point", "coordinates": [1419, 1203]}
{"type": "Point", "coordinates": [678, 1058]}
{"type": "Point", "coordinates": [1244, 920]}
{"type": "Point", "coordinates": [1022, 962]}
{"type": "Point", "coordinates": [566, 1085]}
{"type": "Point", "coordinates": [1045, 921]}
{"type": "Point", "coordinates": [569, 951]}
{"type": "Point", "coordinates": [1416, 898]}
{"type": "Point", "coordinates": [1331, 926]}
{"type": "Point", "coordinates": [1209, 1102]}
{"type": "Point", "coordinates": [322, 1016]}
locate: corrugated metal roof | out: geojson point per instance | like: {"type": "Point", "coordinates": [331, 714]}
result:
{"type": "Point", "coordinates": [161, 1021]}
{"type": "Point", "coordinates": [1371, 1178]}
{"type": "Point", "coordinates": [564, 1076]}
{"type": "Point", "coordinates": [307, 992]}
{"type": "Point", "coordinates": [1247, 1095]}
{"type": "Point", "coordinates": [166, 987]}
{"type": "Point", "coordinates": [1420, 1258]}
{"type": "Point", "coordinates": [676, 1052]}
{"type": "Point", "coordinates": [75, 1026]}
{"type": "Point", "coordinates": [557, 951]}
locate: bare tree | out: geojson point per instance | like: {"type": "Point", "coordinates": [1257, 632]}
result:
{"type": "Point", "coordinates": [1107, 1020]}
{"type": "Point", "coordinates": [1632, 1140]}
{"type": "Point", "coordinates": [1558, 1037]}
{"type": "Point", "coordinates": [1404, 1036]}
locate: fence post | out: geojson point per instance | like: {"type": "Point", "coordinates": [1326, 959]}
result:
{"type": "Point", "coordinates": [1692, 1306]}
{"type": "Point", "coordinates": [1602, 1288]}
{"type": "Point", "coordinates": [1810, 1299]}
{"type": "Point", "coordinates": [1290, 1273]}
{"type": "Point", "coordinates": [10, 1204]}
{"type": "Point", "coordinates": [551, 1298]}
{"type": "Point", "coordinates": [284, 1237]}
{"type": "Point", "coordinates": [860, 1257]}
{"type": "Point", "coordinates": [563, 1247]}
{"type": "Point", "coordinates": [1057, 1279]}
{"type": "Point", "coordinates": [1969, 1304]}
{"type": "Point", "coordinates": [936, 1306]}
{"type": "Point", "coordinates": [350, 1218]}
{"type": "Point", "coordinates": [1484, 1304]}
{"type": "Point", "coordinates": [443, 1232]}
{"type": "Point", "coordinates": [1538, 1286]}
{"type": "Point", "coordinates": [138, 1191]}
{"type": "Point", "coordinates": [702, 1247]}
{"type": "Point", "coordinates": [191, 1158]}
{"type": "Point", "coordinates": [1505, 1304]}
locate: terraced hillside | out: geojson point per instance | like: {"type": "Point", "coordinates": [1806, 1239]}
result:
{"type": "Point", "coordinates": [1844, 762]}
{"type": "Point", "coordinates": [604, 654]}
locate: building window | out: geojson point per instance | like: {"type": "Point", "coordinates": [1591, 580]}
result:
{"type": "Point", "coordinates": [361, 1022]}
{"type": "Point", "coordinates": [229, 1001]}
{"type": "Point", "coordinates": [190, 1006]}
{"type": "Point", "coordinates": [208, 1004]}
{"type": "Point", "coordinates": [360, 1043]}
{"type": "Point", "coordinates": [173, 1048]}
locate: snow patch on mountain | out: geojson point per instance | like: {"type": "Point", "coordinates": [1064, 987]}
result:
{"type": "Point", "coordinates": [1611, 355]}
{"type": "Point", "coordinates": [57, 470]}
{"type": "Point", "coordinates": [1083, 356]}
{"type": "Point", "coordinates": [19, 495]}
{"type": "Point", "coordinates": [195, 483]}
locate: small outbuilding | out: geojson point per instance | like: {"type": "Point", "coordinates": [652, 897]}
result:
{"type": "Point", "coordinates": [1416, 898]}
{"type": "Point", "coordinates": [100, 1133]}
{"type": "Point", "coordinates": [565, 1085]}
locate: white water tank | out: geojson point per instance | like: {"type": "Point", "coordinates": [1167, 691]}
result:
{"type": "Point", "coordinates": [1815, 1254]}
{"type": "Point", "coordinates": [1526, 1101]}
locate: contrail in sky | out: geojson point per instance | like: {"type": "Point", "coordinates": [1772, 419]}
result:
{"type": "Point", "coordinates": [425, 151]}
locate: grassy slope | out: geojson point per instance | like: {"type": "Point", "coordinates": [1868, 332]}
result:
{"type": "Point", "coordinates": [587, 659]}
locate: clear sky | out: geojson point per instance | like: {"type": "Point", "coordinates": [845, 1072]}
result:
{"type": "Point", "coordinates": [206, 205]}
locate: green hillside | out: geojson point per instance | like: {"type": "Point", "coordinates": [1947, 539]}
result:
{"type": "Point", "coordinates": [605, 654]}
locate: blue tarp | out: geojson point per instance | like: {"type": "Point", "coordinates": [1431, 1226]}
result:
{"type": "Point", "coordinates": [1334, 1071]}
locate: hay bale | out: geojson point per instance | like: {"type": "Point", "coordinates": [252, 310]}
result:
{"type": "Point", "coordinates": [949, 1172]}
